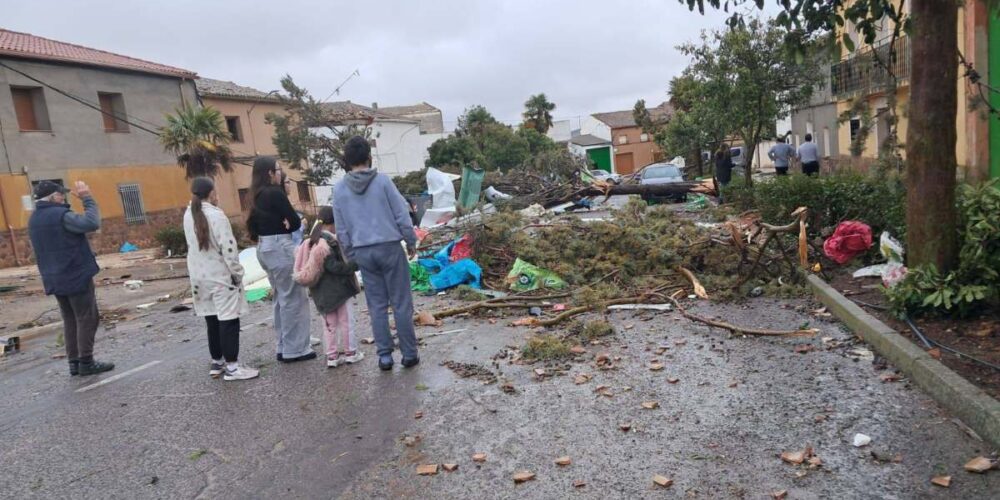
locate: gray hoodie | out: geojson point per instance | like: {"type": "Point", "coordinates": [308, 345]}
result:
{"type": "Point", "coordinates": [368, 210]}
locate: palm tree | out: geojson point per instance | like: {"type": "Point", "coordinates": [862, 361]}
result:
{"type": "Point", "coordinates": [538, 113]}
{"type": "Point", "coordinates": [199, 138]}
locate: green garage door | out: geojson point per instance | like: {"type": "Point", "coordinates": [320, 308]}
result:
{"type": "Point", "coordinates": [601, 158]}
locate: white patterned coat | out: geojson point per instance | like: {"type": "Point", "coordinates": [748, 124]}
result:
{"type": "Point", "coordinates": [216, 273]}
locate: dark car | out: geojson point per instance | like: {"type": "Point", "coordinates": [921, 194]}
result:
{"type": "Point", "coordinates": [662, 173]}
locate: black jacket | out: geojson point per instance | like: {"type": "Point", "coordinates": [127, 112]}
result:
{"type": "Point", "coordinates": [337, 284]}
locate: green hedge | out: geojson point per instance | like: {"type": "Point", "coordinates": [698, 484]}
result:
{"type": "Point", "coordinates": [878, 202]}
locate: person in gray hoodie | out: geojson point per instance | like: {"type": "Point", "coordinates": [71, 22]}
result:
{"type": "Point", "coordinates": [372, 219]}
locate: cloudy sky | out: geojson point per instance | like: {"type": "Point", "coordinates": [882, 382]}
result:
{"type": "Point", "coordinates": [588, 56]}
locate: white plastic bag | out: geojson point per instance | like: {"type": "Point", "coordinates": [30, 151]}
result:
{"type": "Point", "coordinates": [441, 189]}
{"type": "Point", "coordinates": [893, 271]}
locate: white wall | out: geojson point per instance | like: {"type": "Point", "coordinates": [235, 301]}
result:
{"type": "Point", "coordinates": [561, 131]}
{"type": "Point", "coordinates": [595, 127]}
{"type": "Point", "coordinates": [399, 149]}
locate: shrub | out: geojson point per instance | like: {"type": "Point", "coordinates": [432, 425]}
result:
{"type": "Point", "coordinates": [878, 202]}
{"type": "Point", "coordinates": [596, 329]}
{"type": "Point", "coordinates": [976, 282]}
{"type": "Point", "coordinates": [172, 240]}
{"type": "Point", "coordinates": [544, 348]}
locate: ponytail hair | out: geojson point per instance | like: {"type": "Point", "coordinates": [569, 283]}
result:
{"type": "Point", "coordinates": [201, 188]}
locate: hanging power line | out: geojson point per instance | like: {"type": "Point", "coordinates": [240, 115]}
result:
{"type": "Point", "coordinates": [337, 90]}
{"type": "Point", "coordinates": [97, 108]}
{"type": "Point", "coordinates": [79, 100]}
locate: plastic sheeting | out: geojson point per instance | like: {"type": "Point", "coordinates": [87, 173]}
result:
{"type": "Point", "coordinates": [463, 272]}
{"type": "Point", "coordinates": [420, 279]}
{"type": "Point", "coordinates": [472, 185]}
{"type": "Point", "coordinates": [441, 189]}
{"type": "Point", "coordinates": [525, 277]}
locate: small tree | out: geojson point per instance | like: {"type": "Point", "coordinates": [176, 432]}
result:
{"type": "Point", "coordinates": [473, 120]}
{"type": "Point", "coordinates": [748, 75]}
{"type": "Point", "coordinates": [199, 139]}
{"type": "Point", "coordinates": [537, 141]}
{"type": "Point", "coordinates": [308, 138]}
{"type": "Point", "coordinates": [538, 113]}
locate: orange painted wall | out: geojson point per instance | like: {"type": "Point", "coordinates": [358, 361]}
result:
{"type": "Point", "coordinates": [162, 186]}
{"type": "Point", "coordinates": [12, 188]}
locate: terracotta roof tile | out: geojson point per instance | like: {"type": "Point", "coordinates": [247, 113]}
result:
{"type": "Point", "coordinates": [209, 87]}
{"type": "Point", "coordinates": [24, 45]}
{"type": "Point", "coordinates": [623, 119]}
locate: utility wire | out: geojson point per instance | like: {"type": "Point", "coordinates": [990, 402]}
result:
{"type": "Point", "coordinates": [103, 112]}
{"type": "Point", "coordinates": [80, 100]}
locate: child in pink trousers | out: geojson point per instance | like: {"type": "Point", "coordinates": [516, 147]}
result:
{"type": "Point", "coordinates": [320, 265]}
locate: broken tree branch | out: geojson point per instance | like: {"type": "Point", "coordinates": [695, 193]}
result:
{"type": "Point", "coordinates": [739, 329]}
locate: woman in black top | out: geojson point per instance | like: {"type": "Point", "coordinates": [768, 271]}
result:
{"type": "Point", "coordinates": [271, 222]}
{"type": "Point", "coordinates": [723, 169]}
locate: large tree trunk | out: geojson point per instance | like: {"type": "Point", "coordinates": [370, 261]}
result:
{"type": "Point", "coordinates": [750, 148]}
{"type": "Point", "coordinates": [931, 235]}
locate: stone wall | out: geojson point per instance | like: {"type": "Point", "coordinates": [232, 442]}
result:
{"type": "Point", "coordinates": [114, 232]}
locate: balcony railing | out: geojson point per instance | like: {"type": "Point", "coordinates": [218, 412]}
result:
{"type": "Point", "coordinates": [863, 74]}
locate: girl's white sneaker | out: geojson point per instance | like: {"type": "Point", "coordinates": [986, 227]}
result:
{"type": "Point", "coordinates": [241, 373]}
{"type": "Point", "coordinates": [357, 356]}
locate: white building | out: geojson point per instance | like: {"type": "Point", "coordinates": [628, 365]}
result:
{"type": "Point", "coordinates": [401, 136]}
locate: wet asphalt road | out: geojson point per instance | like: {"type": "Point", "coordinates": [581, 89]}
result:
{"type": "Point", "coordinates": [302, 431]}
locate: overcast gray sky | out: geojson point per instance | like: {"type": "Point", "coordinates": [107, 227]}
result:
{"type": "Point", "coordinates": [588, 56]}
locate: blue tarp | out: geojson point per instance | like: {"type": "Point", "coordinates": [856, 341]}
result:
{"type": "Point", "coordinates": [463, 272]}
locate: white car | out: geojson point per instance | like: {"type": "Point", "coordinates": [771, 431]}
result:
{"type": "Point", "coordinates": [604, 175]}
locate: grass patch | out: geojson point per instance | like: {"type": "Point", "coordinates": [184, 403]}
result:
{"type": "Point", "coordinates": [197, 454]}
{"type": "Point", "coordinates": [596, 329]}
{"type": "Point", "coordinates": [545, 347]}
{"type": "Point", "coordinates": [422, 387]}
{"type": "Point", "coordinates": [466, 293]}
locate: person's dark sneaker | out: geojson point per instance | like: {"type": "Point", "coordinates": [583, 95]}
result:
{"type": "Point", "coordinates": [385, 362]}
{"type": "Point", "coordinates": [280, 357]}
{"type": "Point", "coordinates": [95, 367]}
{"type": "Point", "coordinates": [217, 370]}
{"type": "Point", "coordinates": [411, 362]}
{"type": "Point", "coordinates": [74, 368]}
{"type": "Point", "coordinates": [304, 357]}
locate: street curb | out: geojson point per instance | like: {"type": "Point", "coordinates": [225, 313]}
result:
{"type": "Point", "coordinates": [970, 403]}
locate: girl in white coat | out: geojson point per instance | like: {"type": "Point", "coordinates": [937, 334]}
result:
{"type": "Point", "coordinates": [216, 279]}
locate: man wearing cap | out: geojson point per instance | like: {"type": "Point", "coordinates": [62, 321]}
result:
{"type": "Point", "coordinates": [68, 267]}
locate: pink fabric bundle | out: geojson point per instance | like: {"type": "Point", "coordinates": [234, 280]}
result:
{"type": "Point", "coordinates": [309, 262]}
{"type": "Point", "coordinates": [850, 239]}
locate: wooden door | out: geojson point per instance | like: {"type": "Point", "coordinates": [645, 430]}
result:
{"type": "Point", "coordinates": [624, 163]}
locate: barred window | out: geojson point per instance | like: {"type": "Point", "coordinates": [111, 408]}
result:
{"type": "Point", "coordinates": [131, 197]}
{"type": "Point", "coordinates": [244, 200]}
{"type": "Point", "coordinates": [304, 195]}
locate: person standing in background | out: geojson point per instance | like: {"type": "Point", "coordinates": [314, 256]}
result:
{"type": "Point", "coordinates": [723, 169]}
{"type": "Point", "coordinates": [272, 220]}
{"type": "Point", "coordinates": [780, 154]}
{"type": "Point", "coordinates": [808, 154]}
{"type": "Point", "coordinates": [68, 266]}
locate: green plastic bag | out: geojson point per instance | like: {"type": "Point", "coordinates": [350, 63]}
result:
{"type": "Point", "coordinates": [525, 277]}
{"type": "Point", "coordinates": [699, 202]}
{"type": "Point", "coordinates": [472, 184]}
{"type": "Point", "coordinates": [420, 279]}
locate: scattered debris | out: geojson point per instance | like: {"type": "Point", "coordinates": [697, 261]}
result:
{"type": "Point", "coordinates": [563, 461]}
{"type": "Point", "coordinates": [144, 307]}
{"type": "Point", "coordinates": [411, 441]}
{"type": "Point", "coordinates": [578, 350]}
{"type": "Point", "coordinates": [650, 405]}
{"type": "Point", "coordinates": [467, 370]}
{"type": "Point", "coordinates": [579, 483]}
{"type": "Point", "coordinates": [582, 378]}
{"type": "Point", "coordinates": [655, 367]}
{"type": "Point", "coordinates": [804, 348]}
{"type": "Point", "coordinates": [425, 318]}
{"type": "Point", "coordinates": [625, 427]}
{"type": "Point", "coordinates": [427, 470]}
{"type": "Point", "coordinates": [780, 495]}
{"type": "Point", "coordinates": [449, 467]}
{"type": "Point", "coordinates": [673, 380]}
{"type": "Point", "coordinates": [742, 330]}
{"type": "Point", "coordinates": [934, 353]}
{"type": "Point", "coordinates": [508, 388]}
{"type": "Point", "coordinates": [861, 440]}
{"type": "Point", "coordinates": [798, 457]}
{"type": "Point", "coordinates": [479, 457]}
{"type": "Point", "coordinates": [979, 465]}
{"type": "Point", "coordinates": [662, 481]}
{"type": "Point", "coordinates": [418, 415]}
{"type": "Point", "coordinates": [180, 308]}
{"type": "Point", "coordinates": [890, 377]}
{"type": "Point", "coordinates": [523, 477]}
{"type": "Point", "coordinates": [942, 481]}
{"type": "Point", "coordinates": [641, 307]}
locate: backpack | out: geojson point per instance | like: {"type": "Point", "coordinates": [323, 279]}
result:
{"type": "Point", "coordinates": [308, 267]}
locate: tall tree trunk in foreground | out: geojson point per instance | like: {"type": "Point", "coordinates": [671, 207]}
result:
{"type": "Point", "coordinates": [930, 140]}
